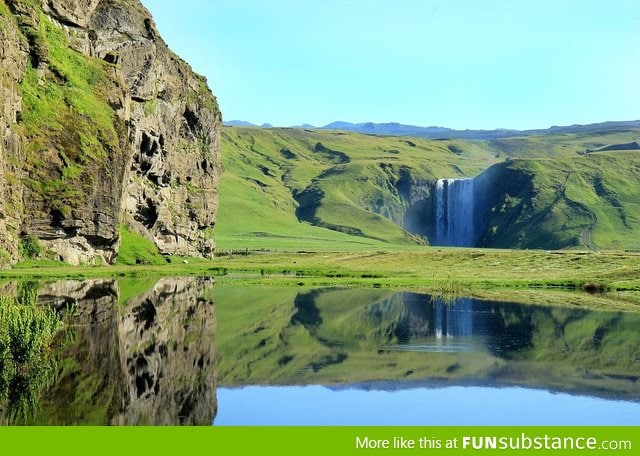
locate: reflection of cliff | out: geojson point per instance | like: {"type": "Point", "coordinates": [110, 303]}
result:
{"type": "Point", "coordinates": [90, 382]}
{"type": "Point", "coordinates": [151, 362]}
{"type": "Point", "coordinates": [168, 355]}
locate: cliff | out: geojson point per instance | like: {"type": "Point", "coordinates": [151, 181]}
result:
{"type": "Point", "coordinates": [101, 125]}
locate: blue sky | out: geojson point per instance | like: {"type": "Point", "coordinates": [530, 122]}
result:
{"type": "Point", "coordinates": [454, 63]}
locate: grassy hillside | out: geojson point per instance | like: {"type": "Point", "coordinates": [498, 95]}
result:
{"type": "Point", "coordinates": [590, 201]}
{"type": "Point", "coordinates": [566, 145]}
{"type": "Point", "coordinates": [297, 188]}
{"type": "Point", "coordinates": [309, 189]}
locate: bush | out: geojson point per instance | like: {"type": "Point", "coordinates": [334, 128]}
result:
{"type": "Point", "coordinates": [27, 332]}
{"type": "Point", "coordinates": [29, 247]}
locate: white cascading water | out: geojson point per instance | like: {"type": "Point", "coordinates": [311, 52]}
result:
{"type": "Point", "coordinates": [455, 219]}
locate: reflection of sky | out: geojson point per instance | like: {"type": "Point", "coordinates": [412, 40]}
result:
{"type": "Point", "coordinates": [456, 405]}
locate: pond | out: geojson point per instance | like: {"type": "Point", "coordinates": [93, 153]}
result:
{"type": "Point", "coordinates": [187, 351]}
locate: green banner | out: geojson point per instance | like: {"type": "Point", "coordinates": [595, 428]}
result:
{"type": "Point", "coordinates": [70, 441]}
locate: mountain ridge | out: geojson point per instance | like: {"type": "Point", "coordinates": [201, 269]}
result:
{"type": "Point", "coordinates": [436, 132]}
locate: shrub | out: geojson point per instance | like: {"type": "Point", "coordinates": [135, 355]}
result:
{"type": "Point", "coordinates": [27, 332]}
{"type": "Point", "coordinates": [29, 247]}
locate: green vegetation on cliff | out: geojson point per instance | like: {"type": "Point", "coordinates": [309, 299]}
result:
{"type": "Point", "coordinates": [136, 249]}
{"type": "Point", "coordinates": [72, 132]}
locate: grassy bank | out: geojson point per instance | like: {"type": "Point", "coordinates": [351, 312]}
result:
{"type": "Point", "coordinates": [443, 269]}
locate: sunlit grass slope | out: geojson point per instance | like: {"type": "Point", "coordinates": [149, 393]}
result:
{"type": "Point", "coordinates": [565, 145]}
{"type": "Point", "coordinates": [590, 201]}
{"type": "Point", "coordinates": [294, 188]}
{"type": "Point", "coordinates": [286, 188]}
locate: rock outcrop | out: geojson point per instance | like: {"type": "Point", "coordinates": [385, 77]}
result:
{"type": "Point", "coordinates": [13, 61]}
{"type": "Point", "coordinates": [101, 125]}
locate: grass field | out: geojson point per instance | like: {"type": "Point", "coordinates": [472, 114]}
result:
{"type": "Point", "coordinates": [474, 272]}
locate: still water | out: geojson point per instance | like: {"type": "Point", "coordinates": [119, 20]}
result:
{"type": "Point", "coordinates": [187, 351]}
{"type": "Point", "coordinates": [415, 405]}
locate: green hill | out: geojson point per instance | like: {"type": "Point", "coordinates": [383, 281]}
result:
{"type": "Point", "coordinates": [568, 145]}
{"type": "Point", "coordinates": [591, 201]}
{"type": "Point", "coordinates": [309, 189]}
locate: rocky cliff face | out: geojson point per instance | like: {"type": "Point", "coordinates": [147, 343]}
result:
{"type": "Point", "coordinates": [13, 52]}
{"type": "Point", "coordinates": [101, 125]}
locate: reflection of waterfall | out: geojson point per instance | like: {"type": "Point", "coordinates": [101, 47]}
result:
{"type": "Point", "coordinates": [453, 319]}
{"type": "Point", "coordinates": [152, 361]}
{"type": "Point", "coordinates": [455, 221]}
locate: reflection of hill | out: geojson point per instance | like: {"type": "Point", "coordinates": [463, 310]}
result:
{"type": "Point", "coordinates": [150, 362]}
{"type": "Point", "coordinates": [338, 336]}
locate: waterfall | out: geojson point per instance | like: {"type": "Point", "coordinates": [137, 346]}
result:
{"type": "Point", "coordinates": [455, 218]}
